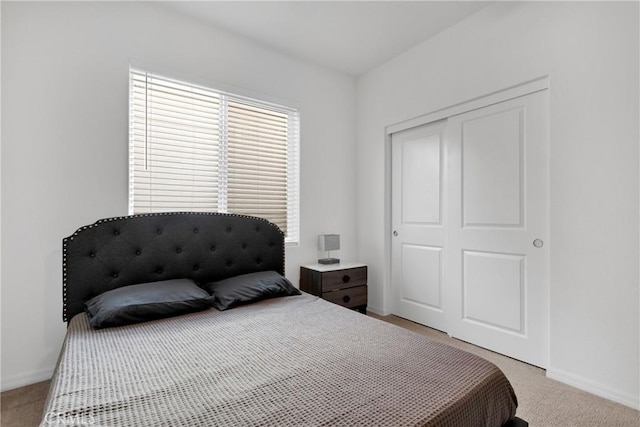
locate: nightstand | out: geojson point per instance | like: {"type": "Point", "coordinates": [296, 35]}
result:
{"type": "Point", "coordinates": [344, 284]}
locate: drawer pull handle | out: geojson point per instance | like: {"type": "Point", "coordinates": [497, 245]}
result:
{"type": "Point", "coordinates": [346, 299]}
{"type": "Point", "coordinates": [346, 278]}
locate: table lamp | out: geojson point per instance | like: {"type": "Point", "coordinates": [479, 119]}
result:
{"type": "Point", "coordinates": [328, 243]}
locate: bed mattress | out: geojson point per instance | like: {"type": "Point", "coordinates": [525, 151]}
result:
{"type": "Point", "coordinates": [294, 361]}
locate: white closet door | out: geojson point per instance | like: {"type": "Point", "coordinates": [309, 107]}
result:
{"type": "Point", "coordinates": [498, 228]}
{"type": "Point", "coordinates": [470, 217]}
{"type": "Point", "coordinates": [418, 248]}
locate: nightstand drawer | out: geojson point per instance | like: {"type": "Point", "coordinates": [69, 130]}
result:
{"type": "Point", "coordinates": [341, 279]}
{"type": "Point", "coordinates": [352, 297]}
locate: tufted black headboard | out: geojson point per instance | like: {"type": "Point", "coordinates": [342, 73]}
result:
{"type": "Point", "coordinates": [121, 251]}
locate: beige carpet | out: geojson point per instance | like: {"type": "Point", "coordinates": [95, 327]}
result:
{"type": "Point", "coordinates": [542, 402]}
{"type": "Point", "coordinates": [22, 407]}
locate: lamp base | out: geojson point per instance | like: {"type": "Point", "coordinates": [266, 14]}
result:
{"type": "Point", "coordinates": [327, 261]}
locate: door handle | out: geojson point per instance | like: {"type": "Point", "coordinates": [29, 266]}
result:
{"type": "Point", "coordinates": [538, 243]}
{"type": "Point", "coordinates": [395, 233]}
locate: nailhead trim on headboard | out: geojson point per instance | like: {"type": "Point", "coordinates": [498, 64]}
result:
{"type": "Point", "coordinates": [87, 287]}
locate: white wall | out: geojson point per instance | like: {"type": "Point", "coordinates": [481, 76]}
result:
{"type": "Point", "coordinates": [590, 51]}
{"type": "Point", "coordinates": [64, 143]}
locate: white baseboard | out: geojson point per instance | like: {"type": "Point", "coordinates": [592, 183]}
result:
{"type": "Point", "coordinates": [14, 381]}
{"type": "Point", "coordinates": [376, 310]}
{"type": "Point", "coordinates": [594, 388]}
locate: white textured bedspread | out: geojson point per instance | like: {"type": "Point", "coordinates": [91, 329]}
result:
{"type": "Point", "coordinates": [293, 361]}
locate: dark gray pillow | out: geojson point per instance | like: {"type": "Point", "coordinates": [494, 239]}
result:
{"type": "Point", "coordinates": [248, 288]}
{"type": "Point", "coordinates": [146, 301]}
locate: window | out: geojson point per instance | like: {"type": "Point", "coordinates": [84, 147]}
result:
{"type": "Point", "coordinates": [192, 148]}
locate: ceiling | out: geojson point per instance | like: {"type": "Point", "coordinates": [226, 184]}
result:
{"type": "Point", "coordinates": [349, 36]}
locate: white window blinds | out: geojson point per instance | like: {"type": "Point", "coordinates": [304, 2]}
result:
{"type": "Point", "coordinates": [196, 149]}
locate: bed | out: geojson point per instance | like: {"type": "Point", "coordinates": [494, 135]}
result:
{"type": "Point", "coordinates": [293, 360]}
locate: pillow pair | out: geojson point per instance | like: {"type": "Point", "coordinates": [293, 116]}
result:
{"type": "Point", "coordinates": [157, 300]}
